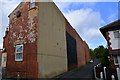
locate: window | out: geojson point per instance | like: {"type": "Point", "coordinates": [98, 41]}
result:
{"type": "Point", "coordinates": [32, 3]}
{"type": "Point", "coordinates": [116, 34]}
{"type": "Point", "coordinates": [4, 60]}
{"type": "Point", "coordinates": [19, 53]}
{"type": "Point", "coordinates": [116, 60]}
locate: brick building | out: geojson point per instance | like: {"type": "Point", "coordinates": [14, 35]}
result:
{"type": "Point", "coordinates": [40, 42]}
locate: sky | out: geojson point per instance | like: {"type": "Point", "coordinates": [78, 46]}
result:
{"type": "Point", "coordinates": [86, 16]}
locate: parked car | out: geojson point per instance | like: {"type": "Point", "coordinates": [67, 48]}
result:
{"type": "Point", "coordinates": [91, 61]}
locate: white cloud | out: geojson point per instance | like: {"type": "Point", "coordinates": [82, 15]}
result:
{"type": "Point", "coordinates": [8, 6]}
{"type": "Point", "coordinates": [83, 0]}
{"type": "Point", "coordinates": [112, 17]}
{"type": "Point", "coordinates": [0, 25]}
{"type": "Point", "coordinates": [86, 22]}
{"type": "Point", "coordinates": [78, 16]}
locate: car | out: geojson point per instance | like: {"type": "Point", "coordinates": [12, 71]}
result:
{"type": "Point", "coordinates": [91, 61]}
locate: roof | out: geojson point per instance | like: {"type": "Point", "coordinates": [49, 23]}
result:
{"type": "Point", "coordinates": [110, 27]}
{"type": "Point", "coordinates": [15, 8]}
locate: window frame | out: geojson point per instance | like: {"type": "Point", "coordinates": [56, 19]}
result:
{"type": "Point", "coordinates": [21, 52]}
{"type": "Point", "coordinates": [116, 57]}
{"type": "Point", "coordinates": [116, 34]}
{"type": "Point", "coordinates": [32, 4]}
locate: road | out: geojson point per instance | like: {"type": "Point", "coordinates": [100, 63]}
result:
{"type": "Point", "coordinates": [82, 73]}
{"type": "Point", "coordinates": [0, 73]}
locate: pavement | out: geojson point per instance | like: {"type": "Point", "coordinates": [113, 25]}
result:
{"type": "Point", "coordinates": [85, 72]}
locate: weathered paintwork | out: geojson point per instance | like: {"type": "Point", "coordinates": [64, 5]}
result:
{"type": "Point", "coordinates": [22, 30]}
{"type": "Point", "coordinates": [42, 31]}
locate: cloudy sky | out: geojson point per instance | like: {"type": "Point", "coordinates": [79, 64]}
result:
{"type": "Point", "coordinates": [86, 16]}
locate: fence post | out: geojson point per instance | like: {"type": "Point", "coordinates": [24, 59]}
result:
{"type": "Point", "coordinates": [101, 75]}
{"type": "Point", "coordinates": [95, 71]}
{"type": "Point", "coordinates": [118, 73]}
{"type": "Point", "coordinates": [113, 77]}
{"type": "Point", "coordinates": [104, 72]}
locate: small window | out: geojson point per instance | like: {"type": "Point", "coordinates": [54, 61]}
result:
{"type": "Point", "coordinates": [32, 3]}
{"type": "Point", "coordinates": [116, 60]}
{"type": "Point", "coordinates": [4, 59]}
{"type": "Point", "coordinates": [19, 53]}
{"type": "Point", "coordinates": [116, 34]}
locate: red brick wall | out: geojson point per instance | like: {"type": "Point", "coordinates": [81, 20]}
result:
{"type": "Point", "coordinates": [22, 30]}
{"type": "Point", "coordinates": [5, 42]}
{"type": "Point", "coordinates": [82, 47]}
{"type": "Point", "coordinates": [80, 51]}
{"type": "Point", "coordinates": [87, 54]}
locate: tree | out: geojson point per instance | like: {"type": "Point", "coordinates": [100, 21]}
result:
{"type": "Point", "coordinates": [100, 53]}
{"type": "Point", "coordinates": [92, 54]}
{"type": "Point", "coordinates": [104, 58]}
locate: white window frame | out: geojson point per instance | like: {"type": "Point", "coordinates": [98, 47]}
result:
{"type": "Point", "coordinates": [115, 60]}
{"type": "Point", "coordinates": [119, 60]}
{"type": "Point", "coordinates": [117, 34]}
{"type": "Point", "coordinates": [4, 60]}
{"type": "Point", "coordinates": [32, 3]}
{"type": "Point", "coordinates": [16, 52]}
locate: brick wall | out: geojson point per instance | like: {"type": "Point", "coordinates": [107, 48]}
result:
{"type": "Point", "coordinates": [22, 30]}
{"type": "Point", "coordinates": [87, 54]}
{"type": "Point", "coordinates": [82, 47]}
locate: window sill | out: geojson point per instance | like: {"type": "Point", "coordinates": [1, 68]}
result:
{"type": "Point", "coordinates": [32, 8]}
{"type": "Point", "coordinates": [116, 64]}
{"type": "Point", "coordinates": [18, 60]}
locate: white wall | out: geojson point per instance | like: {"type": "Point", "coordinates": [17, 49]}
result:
{"type": "Point", "coordinates": [119, 60]}
{"type": "Point", "coordinates": [115, 42]}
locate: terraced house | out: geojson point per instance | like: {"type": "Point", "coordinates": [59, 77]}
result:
{"type": "Point", "coordinates": [41, 43]}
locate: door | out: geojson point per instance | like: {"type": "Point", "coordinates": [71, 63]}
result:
{"type": "Point", "coordinates": [71, 52]}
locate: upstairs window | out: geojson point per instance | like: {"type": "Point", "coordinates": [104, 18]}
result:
{"type": "Point", "coordinates": [116, 34]}
{"type": "Point", "coordinates": [19, 52]}
{"type": "Point", "coordinates": [32, 3]}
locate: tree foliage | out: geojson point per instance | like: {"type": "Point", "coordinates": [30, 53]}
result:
{"type": "Point", "coordinates": [100, 53]}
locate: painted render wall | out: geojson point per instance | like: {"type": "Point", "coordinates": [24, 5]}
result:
{"type": "Point", "coordinates": [115, 42]}
{"type": "Point", "coordinates": [52, 55]}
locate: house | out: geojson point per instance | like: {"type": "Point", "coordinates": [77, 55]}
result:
{"type": "Point", "coordinates": [111, 32]}
{"type": "Point", "coordinates": [41, 43]}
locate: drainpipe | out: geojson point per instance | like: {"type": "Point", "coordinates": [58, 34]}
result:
{"type": "Point", "coordinates": [101, 75]}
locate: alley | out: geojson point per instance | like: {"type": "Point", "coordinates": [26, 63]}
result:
{"type": "Point", "coordinates": [0, 75]}
{"type": "Point", "coordinates": [84, 72]}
